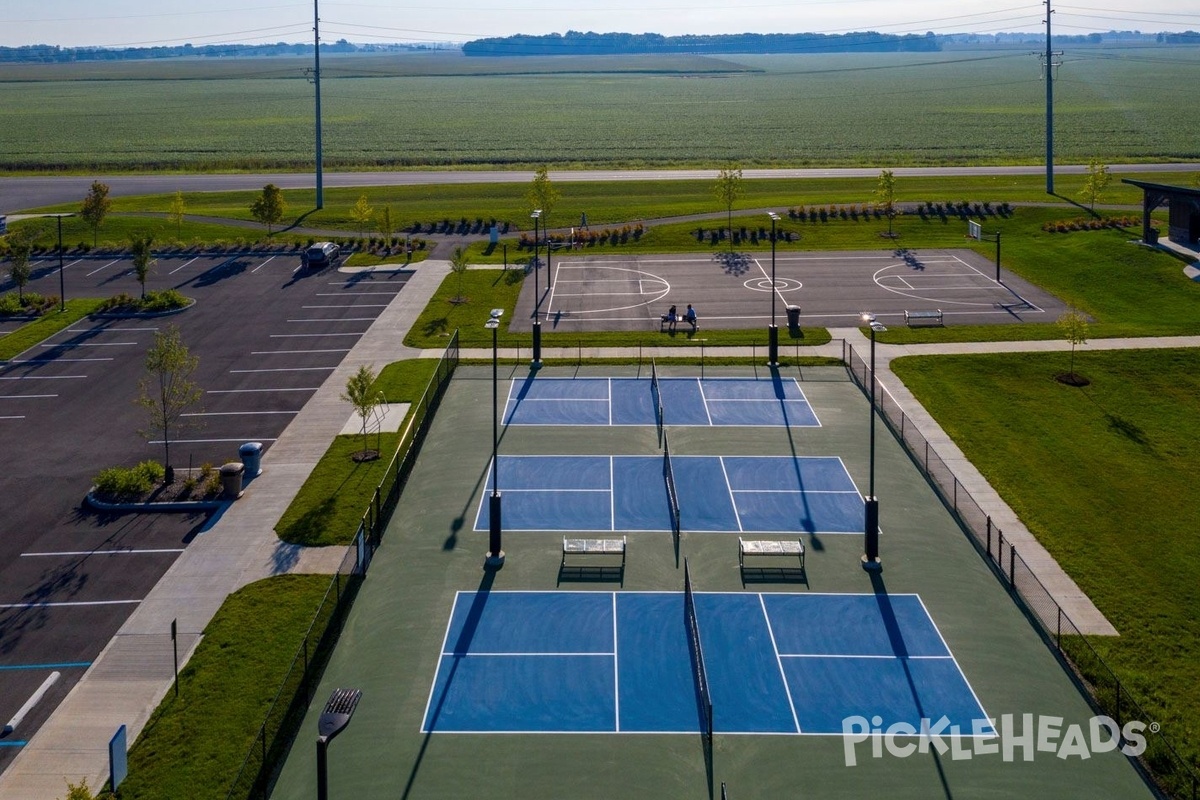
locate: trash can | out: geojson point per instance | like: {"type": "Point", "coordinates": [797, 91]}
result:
{"type": "Point", "coordinates": [251, 453]}
{"type": "Point", "coordinates": [1152, 236]}
{"type": "Point", "coordinates": [793, 316]}
{"type": "Point", "coordinates": [231, 480]}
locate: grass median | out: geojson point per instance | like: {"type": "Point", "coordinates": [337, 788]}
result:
{"type": "Point", "coordinates": [38, 330]}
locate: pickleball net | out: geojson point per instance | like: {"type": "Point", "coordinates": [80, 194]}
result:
{"type": "Point", "coordinates": [697, 652]}
{"type": "Point", "coordinates": [656, 391]}
{"type": "Point", "coordinates": [672, 493]}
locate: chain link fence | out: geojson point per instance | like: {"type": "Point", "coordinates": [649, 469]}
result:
{"type": "Point", "coordinates": [1166, 768]}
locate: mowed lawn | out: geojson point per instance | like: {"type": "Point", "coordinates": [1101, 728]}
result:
{"type": "Point", "coordinates": [1105, 477]}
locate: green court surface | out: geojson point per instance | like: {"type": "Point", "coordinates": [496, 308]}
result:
{"type": "Point", "coordinates": [392, 642]}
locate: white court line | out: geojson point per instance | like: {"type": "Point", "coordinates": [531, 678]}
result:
{"type": "Point", "coordinates": [347, 319]}
{"type": "Point", "coordinates": [256, 391]}
{"type": "Point", "coordinates": [126, 552]}
{"type": "Point", "coordinates": [260, 266]}
{"type": "Point", "coordinates": [762, 603]}
{"type": "Point", "coordinates": [277, 352]}
{"type": "Point", "coordinates": [101, 269]}
{"type": "Point", "coordinates": [181, 266]}
{"type": "Point", "coordinates": [616, 669]}
{"type": "Point", "coordinates": [39, 377]}
{"type": "Point", "coordinates": [286, 369]}
{"type": "Point", "coordinates": [25, 396]}
{"type": "Point", "coordinates": [70, 603]}
{"type": "Point", "coordinates": [732, 495]}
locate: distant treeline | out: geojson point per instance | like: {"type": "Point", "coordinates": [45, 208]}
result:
{"type": "Point", "coordinates": [576, 43]}
{"type": "Point", "coordinates": [52, 54]}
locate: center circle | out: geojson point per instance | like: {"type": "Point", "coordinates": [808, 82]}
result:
{"type": "Point", "coordinates": [781, 285]}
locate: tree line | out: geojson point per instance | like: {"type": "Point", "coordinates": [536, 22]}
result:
{"type": "Point", "coordinates": [591, 43]}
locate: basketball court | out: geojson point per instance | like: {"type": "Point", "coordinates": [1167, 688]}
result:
{"type": "Point", "coordinates": [734, 290]}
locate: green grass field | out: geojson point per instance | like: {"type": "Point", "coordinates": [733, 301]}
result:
{"type": "Point", "coordinates": [1102, 476]}
{"type": "Point", "coordinates": [835, 109]}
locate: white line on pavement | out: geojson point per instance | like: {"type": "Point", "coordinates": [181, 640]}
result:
{"type": "Point", "coordinates": [347, 319]}
{"type": "Point", "coordinates": [277, 352]}
{"type": "Point", "coordinates": [101, 269]}
{"type": "Point", "coordinates": [181, 266]}
{"type": "Point", "coordinates": [260, 266]}
{"type": "Point", "coordinates": [310, 335]}
{"type": "Point", "coordinates": [284, 369]}
{"type": "Point", "coordinates": [33, 700]}
{"type": "Point", "coordinates": [122, 552]}
{"type": "Point", "coordinates": [251, 391]}
{"type": "Point", "coordinates": [232, 413]}
{"type": "Point", "coordinates": [71, 603]}
{"type": "Point", "coordinates": [39, 377]}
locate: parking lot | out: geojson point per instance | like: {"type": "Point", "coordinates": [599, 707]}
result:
{"type": "Point", "coordinates": [267, 335]}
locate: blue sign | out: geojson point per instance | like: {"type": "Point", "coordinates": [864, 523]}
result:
{"type": "Point", "coordinates": [118, 758]}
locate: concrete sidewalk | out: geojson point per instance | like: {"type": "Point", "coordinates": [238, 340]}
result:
{"type": "Point", "coordinates": [133, 673]}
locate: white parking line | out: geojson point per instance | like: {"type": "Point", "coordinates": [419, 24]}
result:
{"type": "Point", "coordinates": [278, 352]}
{"type": "Point", "coordinates": [181, 266]}
{"type": "Point", "coordinates": [14, 416]}
{"type": "Point", "coordinates": [24, 396]}
{"type": "Point", "coordinates": [212, 441]}
{"type": "Point", "coordinates": [70, 603]}
{"type": "Point", "coordinates": [347, 319]}
{"type": "Point", "coordinates": [252, 391]}
{"type": "Point", "coordinates": [100, 329]}
{"type": "Point", "coordinates": [39, 377]}
{"type": "Point", "coordinates": [353, 305]}
{"type": "Point", "coordinates": [355, 294]}
{"type": "Point", "coordinates": [120, 552]}
{"type": "Point", "coordinates": [294, 335]}
{"type": "Point", "coordinates": [54, 360]}
{"type": "Point", "coordinates": [284, 369]}
{"type": "Point", "coordinates": [92, 344]}
{"type": "Point", "coordinates": [260, 266]}
{"type": "Point", "coordinates": [232, 413]}
{"type": "Point", "coordinates": [101, 269]}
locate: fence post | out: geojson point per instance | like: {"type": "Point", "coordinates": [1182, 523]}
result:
{"type": "Point", "coordinates": [989, 535]}
{"type": "Point", "coordinates": [1058, 630]}
{"type": "Point", "coordinates": [378, 522]}
{"type": "Point", "coordinates": [1012, 564]}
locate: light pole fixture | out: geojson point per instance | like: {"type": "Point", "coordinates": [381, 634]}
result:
{"type": "Point", "coordinates": [333, 720]}
{"type": "Point", "coordinates": [495, 555]}
{"type": "Point", "coordinates": [537, 294]}
{"type": "Point", "coordinates": [870, 557]}
{"type": "Point", "coordinates": [773, 329]}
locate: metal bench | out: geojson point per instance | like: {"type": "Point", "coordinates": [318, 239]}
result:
{"type": "Point", "coordinates": [592, 547]}
{"type": "Point", "coordinates": [770, 547]}
{"type": "Point", "coordinates": [931, 317]}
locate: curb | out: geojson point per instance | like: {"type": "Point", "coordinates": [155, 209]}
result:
{"type": "Point", "coordinates": [180, 505]}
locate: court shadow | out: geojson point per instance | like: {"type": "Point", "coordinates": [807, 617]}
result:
{"type": "Point", "coordinates": [461, 647]}
{"type": "Point", "coordinates": [591, 574]}
{"type": "Point", "coordinates": [733, 263]}
{"type": "Point", "coordinates": [788, 575]}
{"type": "Point", "coordinates": [900, 650]}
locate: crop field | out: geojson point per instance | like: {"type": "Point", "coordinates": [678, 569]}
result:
{"type": "Point", "coordinates": [976, 107]}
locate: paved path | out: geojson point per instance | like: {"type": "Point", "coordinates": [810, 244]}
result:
{"type": "Point", "coordinates": [133, 673]}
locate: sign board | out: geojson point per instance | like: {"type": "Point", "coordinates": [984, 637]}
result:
{"type": "Point", "coordinates": [974, 230]}
{"type": "Point", "coordinates": [3, 224]}
{"type": "Point", "coordinates": [118, 755]}
{"type": "Point", "coordinates": [494, 235]}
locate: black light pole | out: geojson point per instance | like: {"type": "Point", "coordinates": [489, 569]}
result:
{"type": "Point", "coordinates": [495, 555]}
{"type": "Point", "coordinates": [333, 720]}
{"type": "Point", "coordinates": [773, 330]}
{"type": "Point", "coordinates": [870, 557]}
{"type": "Point", "coordinates": [537, 294]}
{"type": "Point", "coordinates": [62, 288]}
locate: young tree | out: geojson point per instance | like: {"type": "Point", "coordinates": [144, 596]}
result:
{"type": "Point", "coordinates": [361, 213]}
{"type": "Point", "coordinates": [358, 393]}
{"type": "Point", "coordinates": [139, 245]}
{"type": "Point", "coordinates": [1074, 327]}
{"type": "Point", "coordinates": [1098, 178]}
{"type": "Point", "coordinates": [175, 213]}
{"type": "Point", "coordinates": [728, 189]}
{"type": "Point", "coordinates": [20, 248]}
{"type": "Point", "coordinates": [167, 392]}
{"type": "Point", "coordinates": [269, 206]}
{"type": "Point", "coordinates": [95, 208]}
{"type": "Point", "coordinates": [458, 265]}
{"type": "Point", "coordinates": [387, 227]}
{"type": "Point", "coordinates": [885, 197]}
{"type": "Point", "coordinates": [542, 195]}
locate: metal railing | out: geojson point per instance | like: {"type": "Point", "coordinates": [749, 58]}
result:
{"type": "Point", "coordinates": [283, 718]}
{"type": "Point", "coordinates": [1170, 771]}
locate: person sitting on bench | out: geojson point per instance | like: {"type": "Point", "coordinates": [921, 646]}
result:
{"type": "Point", "coordinates": [689, 317]}
{"type": "Point", "coordinates": [672, 318]}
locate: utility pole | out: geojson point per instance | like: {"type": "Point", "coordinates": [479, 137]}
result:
{"type": "Point", "coordinates": [317, 84]}
{"type": "Point", "coordinates": [1048, 66]}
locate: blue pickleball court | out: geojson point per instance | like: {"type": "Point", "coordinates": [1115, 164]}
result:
{"type": "Point", "coordinates": [730, 494]}
{"type": "Point", "coordinates": [620, 662]}
{"type": "Point", "coordinates": [685, 402]}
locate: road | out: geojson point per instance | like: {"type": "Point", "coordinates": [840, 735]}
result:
{"type": "Point", "coordinates": [26, 192]}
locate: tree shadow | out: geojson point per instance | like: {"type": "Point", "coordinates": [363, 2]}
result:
{"type": "Point", "coordinates": [733, 263]}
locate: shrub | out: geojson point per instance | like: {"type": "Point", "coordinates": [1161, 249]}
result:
{"type": "Point", "coordinates": [125, 482]}
{"type": "Point", "coordinates": [164, 300]}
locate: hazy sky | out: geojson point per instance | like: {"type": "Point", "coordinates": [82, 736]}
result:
{"type": "Point", "coordinates": [114, 23]}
